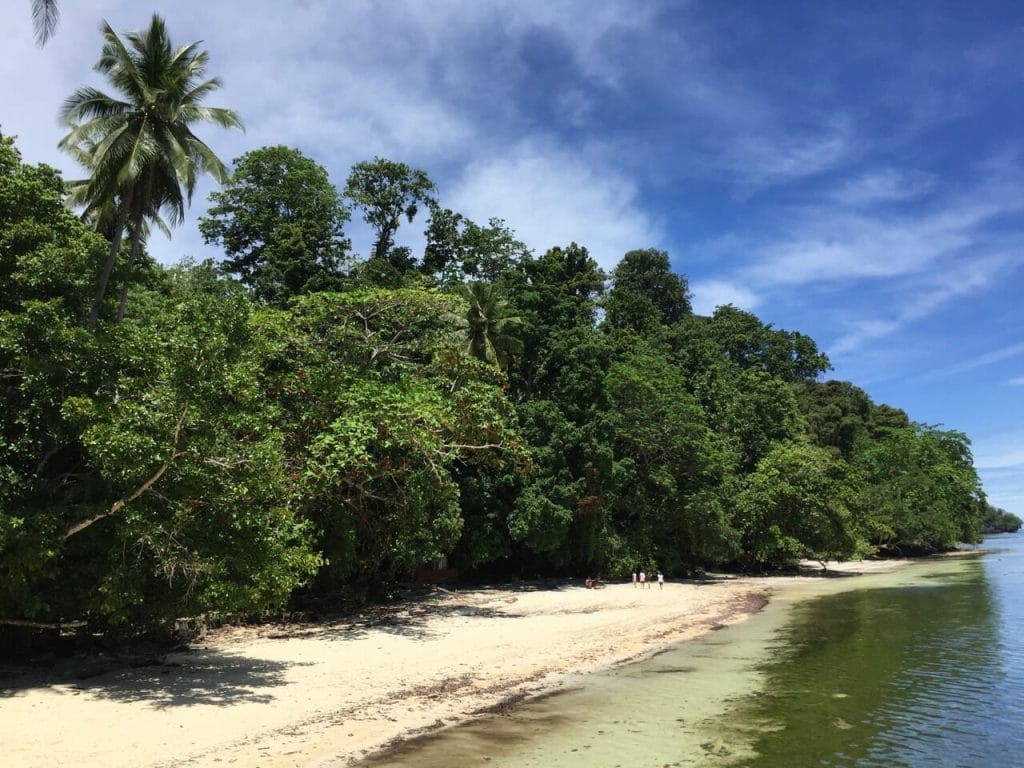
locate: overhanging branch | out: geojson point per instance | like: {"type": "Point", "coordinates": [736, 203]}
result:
{"type": "Point", "coordinates": [120, 504]}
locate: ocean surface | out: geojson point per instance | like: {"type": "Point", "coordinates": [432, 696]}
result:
{"type": "Point", "coordinates": [924, 667]}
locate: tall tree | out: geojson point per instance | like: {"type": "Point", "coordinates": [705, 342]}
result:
{"type": "Point", "coordinates": [139, 150]}
{"type": "Point", "coordinates": [155, 438]}
{"type": "Point", "coordinates": [669, 468]}
{"type": "Point", "coordinates": [382, 410]}
{"type": "Point", "coordinates": [458, 248]}
{"type": "Point", "coordinates": [279, 220]}
{"type": "Point", "coordinates": [799, 502]}
{"type": "Point", "coordinates": [103, 216]}
{"type": "Point", "coordinates": [553, 292]}
{"type": "Point", "coordinates": [923, 493]}
{"type": "Point", "coordinates": [644, 278]}
{"type": "Point", "coordinates": [750, 343]}
{"type": "Point", "coordinates": [491, 324]}
{"type": "Point", "coordinates": [386, 191]}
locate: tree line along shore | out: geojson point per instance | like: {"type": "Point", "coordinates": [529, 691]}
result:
{"type": "Point", "coordinates": [295, 422]}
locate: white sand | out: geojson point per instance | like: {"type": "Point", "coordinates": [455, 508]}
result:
{"type": "Point", "coordinates": [308, 695]}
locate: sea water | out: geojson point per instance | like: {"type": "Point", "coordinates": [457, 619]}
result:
{"type": "Point", "coordinates": [921, 667]}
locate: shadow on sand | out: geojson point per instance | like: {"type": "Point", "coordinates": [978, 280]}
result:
{"type": "Point", "coordinates": [408, 618]}
{"type": "Point", "coordinates": [191, 678]}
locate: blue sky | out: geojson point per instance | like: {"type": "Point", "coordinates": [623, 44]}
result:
{"type": "Point", "coordinates": [854, 171]}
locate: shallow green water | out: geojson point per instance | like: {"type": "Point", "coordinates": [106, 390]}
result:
{"type": "Point", "coordinates": [919, 668]}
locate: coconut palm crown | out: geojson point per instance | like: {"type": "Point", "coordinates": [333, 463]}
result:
{"type": "Point", "coordinates": [139, 150]}
{"type": "Point", "coordinates": [491, 322]}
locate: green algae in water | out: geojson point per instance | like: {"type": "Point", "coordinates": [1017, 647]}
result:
{"type": "Point", "coordinates": [652, 713]}
{"type": "Point", "coordinates": [662, 711]}
{"type": "Point", "coordinates": [898, 675]}
{"type": "Point", "coordinates": [808, 682]}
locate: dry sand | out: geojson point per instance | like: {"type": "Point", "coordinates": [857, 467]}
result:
{"type": "Point", "coordinates": [280, 696]}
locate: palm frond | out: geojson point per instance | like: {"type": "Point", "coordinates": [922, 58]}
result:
{"type": "Point", "coordinates": [120, 66]}
{"type": "Point", "coordinates": [89, 103]}
{"type": "Point", "coordinates": [225, 118]}
{"type": "Point", "coordinates": [45, 15]}
{"type": "Point", "coordinates": [206, 161]}
{"type": "Point", "coordinates": [193, 63]}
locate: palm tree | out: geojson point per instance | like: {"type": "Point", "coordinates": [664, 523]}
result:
{"type": "Point", "coordinates": [490, 322]}
{"type": "Point", "coordinates": [140, 150]}
{"type": "Point", "coordinates": [104, 218]}
{"type": "Point", "coordinates": [45, 15]}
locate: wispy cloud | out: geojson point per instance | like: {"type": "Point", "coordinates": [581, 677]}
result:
{"type": "Point", "coordinates": [979, 361]}
{"type": "Point", "coordinates": [1004, 486]}
{"type": "Point", "coordinates": [778, 155]}
{"type": "Point", "coordinates": [860, 332]}
{"type": "Point", "coordinates": [924, 295]}
{"type": "Point", "coordinates": [838, 244]}
{"type": "Point", "coordinates": [889, 267]}
{"type": "Point", "coordinates": [999, 459]}
{"type": "Point", "coordinates": [884, 185]}
{"type": "Point", "coordinates": [587, 28]}
{"type": "Point", "coordinates": [1000, 456]}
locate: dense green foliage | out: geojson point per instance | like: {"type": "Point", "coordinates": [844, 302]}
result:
{"type": "Point", "coordinates": [298, 418]}
{"type": "Point", "coordinates": [279, 220]}
{"type": "Point", "coordinates": [141, 475]}
{"type": "Point", "coordinates": [1000, 521]}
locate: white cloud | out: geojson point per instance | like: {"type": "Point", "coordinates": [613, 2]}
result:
{"type": "Point", "coordinates": [1004, 486]}
{"type": "Point", "coordinates": [1009, 459]}
{"type": "Point", "coordinates": [585, 26]}
{"type": "Point", "coordinates": [551, 196]}
{"type": "Point", "coordinates": [709, 294]}
{"type": "Point", "coordinates": [872, 273]}
{"type": "Point", "coordinates": [431, 85]}
{"type": "Point", "coordinates": [1017, 382]}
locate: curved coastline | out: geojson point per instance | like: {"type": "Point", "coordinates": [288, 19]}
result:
{"type": "Point", "coordinates": [333, 694]}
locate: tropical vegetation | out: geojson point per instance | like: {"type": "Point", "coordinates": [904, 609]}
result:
{"type": "Point", "coordinates": [294, 422]}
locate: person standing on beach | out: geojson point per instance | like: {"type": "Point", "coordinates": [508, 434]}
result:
{"type": "Point", "coordinates": [661, 580]}
{"type": "Point", "coordinates": [634, 578]}
{"type": "Point", "coordinates": [643, 579]}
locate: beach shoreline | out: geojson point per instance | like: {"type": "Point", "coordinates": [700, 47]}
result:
{"type": "Point", "coordinates": [335, 693]}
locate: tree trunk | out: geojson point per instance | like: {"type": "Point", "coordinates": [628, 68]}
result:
{"type": "Point", "coordinates": [136, 244]}
{"type": "Point", "coordinates": [101, 289]}
{"type": "Point", "coordinates": [384, 241]}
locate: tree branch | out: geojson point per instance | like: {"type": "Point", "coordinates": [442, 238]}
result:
{"type": "Point", "coordinates": [121, 503]}
{"type": "Point", "coordinates": [225, 463]}
{"type": "Point", "coordinates": [460, 447]}
{"type": "Point", "coordinates": [30, 624]}
{"type": "Point", "coordinates": [43, 462]}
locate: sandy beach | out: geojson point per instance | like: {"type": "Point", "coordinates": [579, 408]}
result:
{"type": "Point", "coordinates": [329, 694]}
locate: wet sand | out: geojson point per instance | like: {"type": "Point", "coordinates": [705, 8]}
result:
{"type": "Point", "coordinates": [282, 696]}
